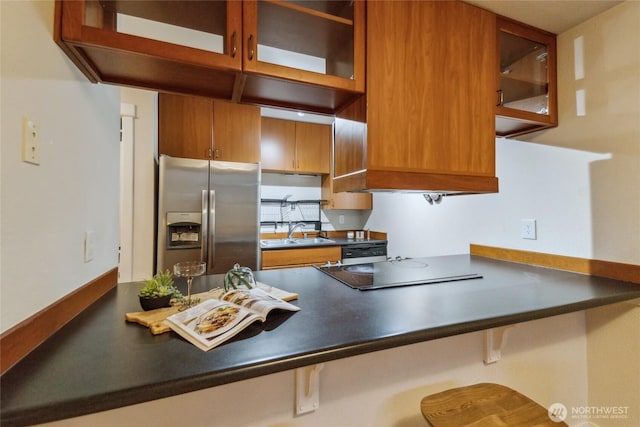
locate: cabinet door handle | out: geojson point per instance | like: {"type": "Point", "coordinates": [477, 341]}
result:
{"type": "Point", "coordinates": [250, 44]}
{"type": "Point", "coordinates": [234, 44]}
{"type": "Point", "coordinates": [500, 97]}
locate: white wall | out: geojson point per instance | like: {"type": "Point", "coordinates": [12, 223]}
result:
{"type": "Point", "coordinates": [548, 184]}
{"type": "Point", "coordinates": [611, 127]}
{"type": "Point", "coordinates": [46, 209]}
{"type": "Point", "coordinates": [609, 130]}
{"type": "Point", "coordinates": [613, 346]}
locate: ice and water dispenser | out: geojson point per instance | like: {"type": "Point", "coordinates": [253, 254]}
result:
{"type": "Point", "coordinates": [184, 230]}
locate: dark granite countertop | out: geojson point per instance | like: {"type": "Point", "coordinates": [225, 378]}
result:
{"type": "Point", "coordinates": [99, 361]}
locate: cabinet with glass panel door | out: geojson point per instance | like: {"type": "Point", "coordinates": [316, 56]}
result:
{"type": "Point", "coordinates": [527, 94]}
{"type": "Point", "coordinates": [174, 46]}
{"type": "Point", "coordinates": [306, 55]}
{"type": "Point", "coordinates": [316, 44]}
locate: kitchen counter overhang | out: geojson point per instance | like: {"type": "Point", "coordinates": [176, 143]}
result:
{"type": "Point", "coordinates": [99, 362]}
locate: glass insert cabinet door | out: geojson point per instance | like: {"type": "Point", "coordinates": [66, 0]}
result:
{"type": "Point", "coordinates": [315, 36]}
{"type": "Point", "coordinates": [310, 41]}
{"type": "Point", "coordinates": [526, 72]}
{"type": "Point", "coordinates": [314, 41]}
{"type": "Point", "coordinates": [211, 26]}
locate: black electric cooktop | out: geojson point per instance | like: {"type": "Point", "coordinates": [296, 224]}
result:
{"type": "Point", "coordinates": [399, 272]}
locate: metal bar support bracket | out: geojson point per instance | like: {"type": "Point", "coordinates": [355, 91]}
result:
{"type": "Point", "coordinates": [494, 341]}
{"type": "Point", "coordinates": [308, 388]}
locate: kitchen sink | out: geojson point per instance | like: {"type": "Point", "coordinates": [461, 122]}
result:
{"type": "Point", "coordinates": [278, 242]}
{"type": "Point", "coordinates": [315, 240]}
{"type": "Point", "coordinates": [312, 241]}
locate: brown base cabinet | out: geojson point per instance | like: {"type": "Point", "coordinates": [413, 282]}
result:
{"type": "Point", "coordinates": [206, 128]}
{"type": "Point", "coordinates": [289, 258]}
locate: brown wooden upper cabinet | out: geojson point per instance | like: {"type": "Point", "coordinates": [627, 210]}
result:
{"type": "Point", "coordinates": [204, 128]}
{"type": "Point", "coordinates": [292, 146]}
{"type": "Point", "coordinates": [305, 55]}
{"type": "Point", "coordinates": [316, 48]}
{"type": "Point", "coordinates": [349, 133]}
{"type": "Point", "coordinates": [527, 94]}
{"type": "Point", "coordinates": [430, 107]}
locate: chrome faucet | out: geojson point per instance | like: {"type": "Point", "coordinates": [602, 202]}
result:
{"type": "Point", "coordinates": [293, 228]}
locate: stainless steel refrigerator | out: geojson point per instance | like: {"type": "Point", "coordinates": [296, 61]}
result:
{"type": "Point", "coordinates": [208, 211]}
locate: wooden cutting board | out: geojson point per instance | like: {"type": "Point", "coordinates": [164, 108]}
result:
{"type": "Point", "coordinates": [154, 319]}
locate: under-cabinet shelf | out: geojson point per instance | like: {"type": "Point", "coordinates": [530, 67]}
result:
{"type": "Point", "coordinates": [331, 11]}
{"type": "Point", "coordinates": [515, 89]}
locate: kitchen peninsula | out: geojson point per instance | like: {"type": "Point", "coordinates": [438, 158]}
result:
{"type": "Point", "coordinates": [99, 362]}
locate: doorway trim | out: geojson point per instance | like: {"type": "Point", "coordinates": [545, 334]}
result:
{"type": "Point", "coordinates": [127, 165]}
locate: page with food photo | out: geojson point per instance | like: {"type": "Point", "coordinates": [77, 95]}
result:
{"type": "Point", "coordinates": [211, 322]}
{"type": "Point", "coordinates": [257, 301]}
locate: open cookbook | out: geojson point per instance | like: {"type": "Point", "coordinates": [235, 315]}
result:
{"type": "Point", "coordinates": [214, 321]}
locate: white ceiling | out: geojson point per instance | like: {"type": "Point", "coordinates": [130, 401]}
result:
{"type": "Point", "coordinates": [555, 16]}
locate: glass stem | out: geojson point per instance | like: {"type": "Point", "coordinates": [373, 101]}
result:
{"type": "Point", "coordinates": [189, 281]}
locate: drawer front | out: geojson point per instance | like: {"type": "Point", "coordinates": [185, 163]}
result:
{"type": "Point", "coordinates": [300, 257]}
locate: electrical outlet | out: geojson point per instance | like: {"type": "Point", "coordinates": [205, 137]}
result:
{"type": "Point", "coordinates": [341, 219]}
{"type": "Point", "coordinates": [528, 229]}
{"type": "Point", "coordinates": [30, 142]}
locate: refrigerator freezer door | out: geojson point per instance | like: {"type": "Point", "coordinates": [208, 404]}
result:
{"type": "Point", "coordinates": [181, 183]}
{"type": "Point", "coordinates": [234, 216]}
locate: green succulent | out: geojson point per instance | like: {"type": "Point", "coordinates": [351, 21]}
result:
{"type": "Point", "coordinates": [159, 285]}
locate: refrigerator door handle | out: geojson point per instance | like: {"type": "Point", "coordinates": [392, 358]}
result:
{"type": "Point", "coordinates": [204, 235]}
{"type": "Point", "coordinates": [211, 231]}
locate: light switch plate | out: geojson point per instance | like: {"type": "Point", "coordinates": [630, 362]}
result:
{"type": "Point", "coordinates": [30, 142]}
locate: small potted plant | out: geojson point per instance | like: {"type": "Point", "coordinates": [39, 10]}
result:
{"type": "Point", "coordinates": [158, 291]}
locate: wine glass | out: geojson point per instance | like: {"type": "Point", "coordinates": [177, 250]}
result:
{"type": "Point", "coordinates": [189, 269]}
